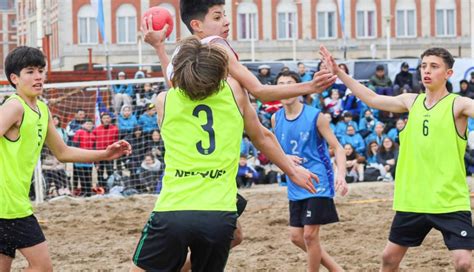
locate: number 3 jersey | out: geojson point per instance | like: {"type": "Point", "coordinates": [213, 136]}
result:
{"type": "Point", "coordinates": [430, 173]}
{"type": "Point", "coordinates": [300, 137]}
{"type": "Point", "coordinates": [202, 141]}
{"type": "Point", "coordinates": [18, 158]}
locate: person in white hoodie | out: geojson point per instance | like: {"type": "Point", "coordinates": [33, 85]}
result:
{"type": "Point", "coordinates": [149, 173]}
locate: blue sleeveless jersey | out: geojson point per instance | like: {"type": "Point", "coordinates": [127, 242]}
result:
{"type": "Point", "coordinates": [300, 137]}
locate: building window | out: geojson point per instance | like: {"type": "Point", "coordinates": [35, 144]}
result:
{"type": "Point", "coordinates": [326, 16]}
{"type": "Point", "coordinates": [32, 34]}
{"type": "Point", "coordinates": [88, 33]}
{"type": "Point", "coordinates": [406, 18]}
{"type": "Point", "coordinates": [287, 21]}
{"type": "Point", "coordinates": [126, 24]}
{"type": "Point", "coordinates": [247, 21]}
{"type": "Point", "coordinates": [172, 10]}
{"type": "Point", "coordinates": [445, 18]}
{"type": "Point", "coordinates": [366, 20]}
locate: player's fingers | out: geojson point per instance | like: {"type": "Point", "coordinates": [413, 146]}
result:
{"type": "Point", "coordinates": [150, 22]}
{"type": "Point", "coordinates": [314, 176]}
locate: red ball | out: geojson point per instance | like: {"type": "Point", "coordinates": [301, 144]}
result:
{"type": "Point", "coordinates": [160, 17]}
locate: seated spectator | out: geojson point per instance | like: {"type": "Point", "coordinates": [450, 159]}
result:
{"type": "Point", "coordinates": [352, 104]}
{"type": "Point", "coordinates": [464, 89]}
{"type": "Point", "coordinates": [84, 138]}
{"type": "Point", "coordinates": [126, 121]}
{"type": "Point", "coordinates": [264, 75]}
{"type": "Point", "coordinates": [372, 163]}
{"type": "Point", "coordinates": [149, 173]}
{"type": "Point", "coordinates": [304, 74]}
{"type": "Point", "coordinates": [247, 148]}
{"type": "Point", "coordinates": [354, 164]}
{"type": "Point", "coordinates": [339, 85]}
{"type": "Point", "coordinates": [246, 175]}
{"type": "Point", "coordinates": [387, 156]}
{"type": "Point", "coordinates": [138, 87]}
{"type": "Point", "coordinates": [148, 120]}
{"type": "Point", "coordinates": [137, 141]}
{"type": "Point", "coordinates": [377, 135]}
{"type": "Point", "coordinates": [471, 82]}
{"type": "Point", "coordinates": [55, 176]}
{"type": "Point", "coordinates": [123, 94]}
{"type": "Point", "coordinates": [381, 83]}
{"type": "Point", "coordinates": [333, 104]}
{"type": "Point", "coordinates": [75, 124]}
{"type": "Point", "coordinates": [354, 139]}
{"type": "Point", "coordinates": [341, 126]}
{"type": "Point", "coordinates": [156, 146]}
{"type": "Point", "coordinates": [367, 123]}
{"type": "Point", "coordinates": [403, 80]}
{"type": "Point", "coordinates": [147, 96]}
{"type": "Point", "coordinates": [62, 132]}
{"type": "Point", "coordinates": [317, 101]}
{"type": "Point", "coordinates": [394, 133]}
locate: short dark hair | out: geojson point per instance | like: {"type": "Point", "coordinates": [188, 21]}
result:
{"type": "Point", "coordinates": [196, 10]}
{"type": "Point", "coordinates": [380, 67]}
{"type": "Point", "coordinates": [23, 57]}
{"type": "Point", "coordinates": [199, 69]}
{"type": "Point", "coordinates": [288, 73]}
{"type": "Point", "coordinates": [442, 53]}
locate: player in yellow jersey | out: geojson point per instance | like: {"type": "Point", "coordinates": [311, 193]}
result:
{"type": "Point", "coordinates": [430, 189]}
{"type": "Point", "coordinates": [25, 124]}
{"type": "Point", "coordinates": [202, 120]}
{"type": "Point", "coordinates": [207, 21]}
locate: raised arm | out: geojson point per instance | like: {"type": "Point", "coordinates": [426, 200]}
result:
{"type": "Point", "coordinates": [66, 153]}
{"type": "Point", "coordinates": [157, 40]}
{"type": "Point", "coordinates": [321, 81]}
{"type": "Point", "coordinates": [266, 142]}
{"type": "Point", "coordinates": [401, 103]}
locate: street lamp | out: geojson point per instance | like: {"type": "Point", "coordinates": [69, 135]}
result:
{"type": "Point", "coordinates": [388, 18]}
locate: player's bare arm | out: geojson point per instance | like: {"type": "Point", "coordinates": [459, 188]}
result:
{"type": "Point", "coordinates": [399, 104]}
{"type": "Point", "coordinates": [321, 81]}
{"type": "Point", "coordinates": [11, 115]}
{"type": "Point", "coordinates": [325, 131]}
{"type": "Point", "coordinates": [160, 106]}
{"type": "Point", "coordinates": [66, 153]}
{"type": "Point", "coordinates": [265, 141]}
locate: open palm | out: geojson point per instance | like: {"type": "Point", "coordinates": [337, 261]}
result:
{"type": "Point", "coordinates": [328, 60]}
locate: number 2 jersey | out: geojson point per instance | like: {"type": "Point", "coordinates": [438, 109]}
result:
{"type": "Point", "coordinates": [202, 141]}
{"type": "Point", "coordinates": [430, 174]}
{"type": "Point", "coordinates": [300, 137]}
{"type": "Point", "coordinates": [18, 158]}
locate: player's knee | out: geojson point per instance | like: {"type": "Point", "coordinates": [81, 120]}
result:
{"type": "Point", "coordinates": [463, 264]}
{"type": "Point", "coordinates": [390, 260]}
{"type": "Point", "coordinates": [310, 238]}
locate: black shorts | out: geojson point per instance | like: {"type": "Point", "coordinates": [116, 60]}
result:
{"type": "Point", "coordinates": [241, 204]}
{"type": "Point", "coordinates": [19, 233]}
{"type": "Point", "coordinates": [166, 237]}
{"type": "Point", "coordinates": [312, 211]}
{"type": "Point", "coordinates": [410, 229]}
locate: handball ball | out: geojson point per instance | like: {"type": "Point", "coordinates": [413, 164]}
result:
{"type": "Point", "coordinates": [160, 17]}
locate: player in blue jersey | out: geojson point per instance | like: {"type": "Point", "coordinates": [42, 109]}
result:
{"type": "Point", "coordinates": [304, 134]}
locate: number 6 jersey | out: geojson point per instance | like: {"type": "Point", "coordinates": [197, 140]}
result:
{"type": "Point", "coordinates": [430, 174]}
{"type": "Point", "coordinates": [202, 141]}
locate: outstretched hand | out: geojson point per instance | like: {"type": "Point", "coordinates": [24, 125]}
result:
{"type": "Point", "coordinates": [117, 150]}
{"type": "Point", "coordinates": [304, 179]}
{"type": "Point", "coordinates": [150, 36]}
{"type": "Point", "coordinates": [328, 60]}
{"type": "Point", "coordinates": [322, 80]}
